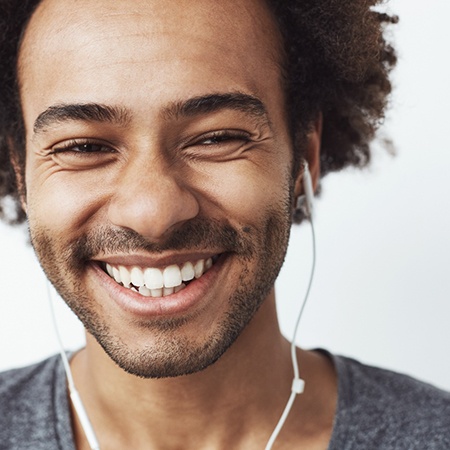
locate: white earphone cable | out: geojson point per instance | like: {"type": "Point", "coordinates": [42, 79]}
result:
{"type": "Point", "coordinates": [74, 395]}
{"type": "Point", "coordinates": [297, 383]}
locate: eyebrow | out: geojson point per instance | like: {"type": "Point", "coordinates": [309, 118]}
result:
{"type": "Point", "coordinates": [216, 102]}
{"type": "Point", "coordinates": [117, 115]}
{"type": "Point", "coordinates": [81, 112]}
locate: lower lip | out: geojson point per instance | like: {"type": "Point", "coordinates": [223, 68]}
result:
{"type": "Point", "coordinates": [192, 296]}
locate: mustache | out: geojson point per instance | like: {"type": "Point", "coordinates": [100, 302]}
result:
{"type": "Point", "coordinates": [197, 234]}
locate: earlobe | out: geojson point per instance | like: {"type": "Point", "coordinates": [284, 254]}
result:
{"type": "Point", "coordinates": [311, 156]}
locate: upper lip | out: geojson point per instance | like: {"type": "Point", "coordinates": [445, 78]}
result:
{"type": "Point", "coordinates": [141, 260]}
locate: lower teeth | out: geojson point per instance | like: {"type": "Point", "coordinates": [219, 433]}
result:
{"type": "Point", "coordinates": [156, 293]}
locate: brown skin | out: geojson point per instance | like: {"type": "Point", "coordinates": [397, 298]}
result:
{"type": "Point", "coordinates": [84, 52]}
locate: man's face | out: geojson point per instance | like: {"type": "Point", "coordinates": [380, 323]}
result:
{"type": "Point", "coordinates": [157, 146]}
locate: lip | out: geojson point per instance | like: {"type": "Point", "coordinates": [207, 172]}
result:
{"type": "Point", "coordinates": [145, 261]}
{"type": "Point", "coordinates": [193, 296]}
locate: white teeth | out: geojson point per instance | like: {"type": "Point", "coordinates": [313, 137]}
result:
{"type": "Point", "coordinates": [172, 276]}
{"type": "Point", "coordinates": [145, 291]}
{"type": "Point", "coordinates": [199, 267]}
{"type": "Point", "coordinates": [124, 276]}
{"type": "Point", "coordinates": [116, 275]}
{"type": "Point", "coordinates": [110, 270]}
{"type": "Point", "coordinates": [153, 282]}
{"type": "Point", "coordinates": [157, 292]}
{"type": "Point", "coordinates": [136, 276]}
{"type": "Point", "coordinates": [168, 291]}
{"type": "Point", "coordinates": [153, 278]}
{"type": "Point", "coordinates": [187, 271]}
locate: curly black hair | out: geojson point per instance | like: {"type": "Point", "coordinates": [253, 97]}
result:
{"type": "Point", "coordinates": [336, 62]}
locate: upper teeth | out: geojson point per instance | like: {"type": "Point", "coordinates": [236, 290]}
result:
{"type": "Point", "coordinates": [162, 281]}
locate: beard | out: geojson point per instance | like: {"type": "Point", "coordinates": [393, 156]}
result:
{"type": "Point", "coordinates": [259, 251]}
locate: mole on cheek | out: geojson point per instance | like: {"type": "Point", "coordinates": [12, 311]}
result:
{"type": "Point", "coordinates": [246, 229]}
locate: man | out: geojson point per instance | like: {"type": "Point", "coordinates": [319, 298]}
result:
{"type": "Point", "coordinates": [159, 150]}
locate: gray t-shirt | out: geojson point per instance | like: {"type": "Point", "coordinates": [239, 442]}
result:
{"type": "Point", "coordinates": [377, 409]}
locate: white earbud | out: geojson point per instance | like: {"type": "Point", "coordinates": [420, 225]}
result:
{"type": "Point", "coordinates": [305, 202]}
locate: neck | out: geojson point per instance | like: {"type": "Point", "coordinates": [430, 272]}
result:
{"type": "Point", "coordinates": [234, 403]}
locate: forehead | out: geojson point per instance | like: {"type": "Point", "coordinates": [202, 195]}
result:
{"type": "Point", "coordinates": [220, 20]}
{"type": "Point", "coordinates": [77, 47]}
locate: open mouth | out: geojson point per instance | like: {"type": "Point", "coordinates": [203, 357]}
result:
{"type": "Point", "coordinates": [159, 282]}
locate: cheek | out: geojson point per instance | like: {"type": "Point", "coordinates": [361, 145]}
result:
{"type": "Point", "coordinates": [62, 201]}
{"type": "Point", "coordinates": [244, 190]}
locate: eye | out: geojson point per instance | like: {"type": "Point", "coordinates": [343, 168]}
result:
{"type": "Point", "coordinates": [82, 154]}
{"type": "Point", "coordinates": [223, 137]}
{"type": "Point", "coordinates": [218, 146]}
{"type": "Point", "coordinates": [85, 147]}
{"type": "Point", "coordinates": [88, 148]}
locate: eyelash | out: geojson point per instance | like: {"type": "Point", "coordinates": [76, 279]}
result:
{"type": "Point", "coordinates": [217, 138]}
{"type": "Point", "coordinates": [222, 137]}
{"type": "Point", "coordinates": [71, 145]}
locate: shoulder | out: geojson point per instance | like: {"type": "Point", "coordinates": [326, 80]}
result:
{"type": "Point", "coordinates": [27, 387]}
{"type": "Point", "coordinates": [30, 402]}
{"type": "Point", "coordinates": [379, 408]}
{"type": "Point", "coordinates": [14, 380]}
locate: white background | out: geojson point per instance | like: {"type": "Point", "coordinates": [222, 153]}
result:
{"type": "Point", "coordinates": [382, 286]}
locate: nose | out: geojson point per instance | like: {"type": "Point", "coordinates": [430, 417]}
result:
{"type": "Point", "coordinates": [151, 198]}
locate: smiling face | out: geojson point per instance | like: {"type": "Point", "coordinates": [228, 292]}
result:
{"type": "Point", "coordinates": [158, 171]}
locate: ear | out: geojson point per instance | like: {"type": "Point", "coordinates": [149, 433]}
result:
{"type": "Point", "coordinates": [312, 156]}
{"type": "Point", "coordinates": [18, 172]}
